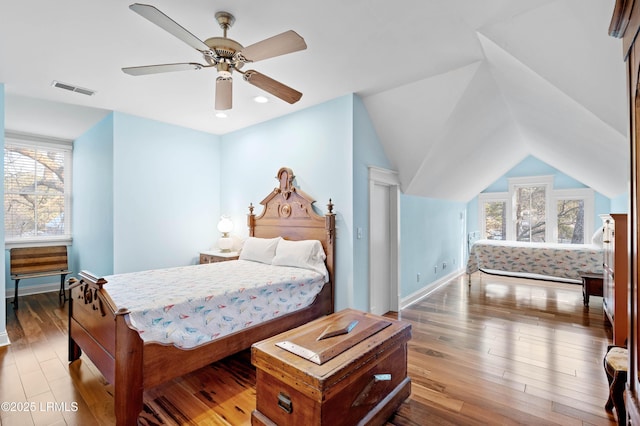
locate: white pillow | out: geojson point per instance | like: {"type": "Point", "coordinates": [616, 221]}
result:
{"type": "Point", "coordinates": [597, 237]}
{"type": "Point", "coordinates": [259, 249]}
{"type": "Point", "coordinates": [306, 254]}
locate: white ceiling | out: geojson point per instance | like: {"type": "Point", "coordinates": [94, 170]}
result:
{"type": "Point", "coordinates": [459, 91]}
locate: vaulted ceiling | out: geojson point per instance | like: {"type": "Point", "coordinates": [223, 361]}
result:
{"type": "Point", "coordinates": [459, 91]}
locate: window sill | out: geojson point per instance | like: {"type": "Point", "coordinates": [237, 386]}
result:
{"type": "Point", "coordinates": [38, 242]}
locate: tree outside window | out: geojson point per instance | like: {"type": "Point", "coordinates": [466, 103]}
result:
{"type": "Point", "coordinates": [570, 221]}
{"type": "Point", "coordinates": [495, 213]}
{"type": "Point", "coordinates": [36, 193]}
{"type": "Point", "coordinates": [533, 211]}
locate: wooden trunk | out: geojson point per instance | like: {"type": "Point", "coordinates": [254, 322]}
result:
{"type": "Point", "coordinates": [355, 378]}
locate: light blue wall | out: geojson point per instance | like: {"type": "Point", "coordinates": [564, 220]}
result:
{"type": "Point", "coordinates": [531, 166]}
{"type": "Point", "coordinates": [367, 151]}
{"type": "Point", "coordinates": [432, 234]}
{"type": "Point", "coordinates": [316, 143]}
{"type": "Point", "coordinates": [166, 194]}
{"type": "Point", "coordinates": [620, 204]}
{"type": "Point", "coordinates": [4, 339]}
{"type": "Point", "coordinates": [92, 211]}
{"type": "Point", "coordinates": [157, 195]}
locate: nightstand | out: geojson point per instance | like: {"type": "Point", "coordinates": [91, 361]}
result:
{"type": "Point", "coordinates": [217, 256]}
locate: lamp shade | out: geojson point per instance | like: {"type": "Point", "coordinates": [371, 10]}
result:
{"type": "Point", "coordinates": [225, 225]}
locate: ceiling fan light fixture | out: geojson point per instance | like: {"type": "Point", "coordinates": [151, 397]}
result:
{"type": "Point", "coordinates": [260, 99]}
{"type": "Point", "coordinates": [221, 114]}
{"type": "Point", "coordinates": [225, 55]}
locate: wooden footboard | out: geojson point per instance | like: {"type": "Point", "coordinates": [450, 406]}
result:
{"type": "Point", "coordinates": [105, 335]}
{"type": "Point", "coordinates": [92, 323]}
{"type": "Point", "coordinates": [117, 350]}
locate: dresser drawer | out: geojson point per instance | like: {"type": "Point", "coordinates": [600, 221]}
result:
{"type": "Point", "coordinates": [217, 257]}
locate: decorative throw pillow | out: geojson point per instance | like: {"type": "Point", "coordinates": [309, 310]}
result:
{"type": "Point", "coordinates": [259, 249]}
{"type": "Point", "coordinates": [306, 254]}
{"type": "Point", "coordinates": [597, 237]}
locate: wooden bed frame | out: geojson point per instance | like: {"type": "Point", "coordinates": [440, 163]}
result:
{"type": "Point", "coordinates": [105, 335]}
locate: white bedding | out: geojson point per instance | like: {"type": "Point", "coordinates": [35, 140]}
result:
{"type": "Point", "coordinates": [191, 305]}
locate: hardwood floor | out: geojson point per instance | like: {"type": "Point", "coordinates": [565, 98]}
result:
{"type": "Point", "coordinates": [503, 351]}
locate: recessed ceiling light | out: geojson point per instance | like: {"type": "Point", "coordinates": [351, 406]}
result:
{"type": "Point", "coordinates": [261, 99]}
{"type": "Point", "coordinates": [221, 114]}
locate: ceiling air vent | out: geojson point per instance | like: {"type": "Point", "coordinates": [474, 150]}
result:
{"type": "Point", "coordinates": [72, 88]}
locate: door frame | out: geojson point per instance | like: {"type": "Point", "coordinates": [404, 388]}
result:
{"type": "Point", "coordinates": [389, 178]}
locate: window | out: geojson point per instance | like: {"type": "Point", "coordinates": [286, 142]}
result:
{"type": "Point", "coordinates": [530, 208]}
{"type": "Point", "coordinates": [573, 226]}
{"type": "Point", "coordinates": [533, 211]}
{"type": "Point", "coordinates": [37, 190]}
{"type": "Point", "coordinates": [493, 213]}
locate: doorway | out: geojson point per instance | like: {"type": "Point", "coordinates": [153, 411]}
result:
{"type": "Point", "coordinates": [384, 237]}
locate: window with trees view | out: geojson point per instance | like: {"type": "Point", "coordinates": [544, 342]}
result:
{"type": "Point", "coordinates": [530, 203]}
{"type": "Point", "coordinates": [533, 211]}
{"type": "Point", "coordinates": [495, 220]}
{"type": "Point", "coordinates": [37, 191]}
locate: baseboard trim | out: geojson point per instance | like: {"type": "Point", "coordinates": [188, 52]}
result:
{"type": "Point", "coordinates": [32, 289]}
{"type": "Point", "coordinates": [4, 339]}
{"type": "Point", "coordinates": [428, 289]}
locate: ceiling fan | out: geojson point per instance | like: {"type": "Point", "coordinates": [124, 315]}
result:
{"type": "Point", "coordinates": [224, 54]}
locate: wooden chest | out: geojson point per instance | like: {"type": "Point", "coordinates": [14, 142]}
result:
{"type": "Point", "coordinates": [357, 376]}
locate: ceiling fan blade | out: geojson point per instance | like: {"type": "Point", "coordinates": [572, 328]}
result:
{"type": "Point", "coordinates": [272, 86]}
{"type": "Point", "coordinates": [223, 93]}
{"type": "Point", "coordinates": [163, 21]}
{"type": "Point", "coordinates": [281, 44]}
{"type": "Point", "coordinates": [157, 69]}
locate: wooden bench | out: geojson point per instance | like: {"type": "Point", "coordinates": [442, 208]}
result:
{"type": "Point", "coordinates": [35, 262]}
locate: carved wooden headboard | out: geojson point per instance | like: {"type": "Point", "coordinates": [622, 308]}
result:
{"type": "Point", "coordinates": [288, 213]}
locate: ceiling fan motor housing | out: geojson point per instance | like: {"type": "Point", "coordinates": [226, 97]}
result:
{"type": "Point", "coordinates": [225, 49]}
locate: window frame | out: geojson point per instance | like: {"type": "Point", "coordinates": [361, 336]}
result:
{"type": "Point", "coordinates": [66, 146]}
{"type": "Point", "coordinates": [518, 182]}
{"type": "Point", "coordinates": [584, 194]}
{"type": "Point", "coordinates": [492, 197]}
{"type": "Point", "coordinates": [552, 196]}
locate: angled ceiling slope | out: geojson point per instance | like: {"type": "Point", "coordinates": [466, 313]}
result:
{"type": "Point", "coordinates": [558, 129]}
{"type": "Point", "coordinates": [550, 84]}
{"type": "Point", "coordinates": [411, 117]}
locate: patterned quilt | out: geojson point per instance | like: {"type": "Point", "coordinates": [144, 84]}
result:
{"type": "Point", "coordinates": [563, 261]}
{"type": "Point", "coordinates": [191, 305]}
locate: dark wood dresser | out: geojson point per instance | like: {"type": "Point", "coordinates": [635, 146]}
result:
{"type": "Point", "coordinates": [358, 377]}
{"type": "Point", "coordinates": [616, 275]}
{"type": "Point", "coordinates": [625, 24]}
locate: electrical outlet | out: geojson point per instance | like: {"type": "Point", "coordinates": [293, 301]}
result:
{"type": "Point", "coordinates": [444, 265]}
{"type": "Point", "coordinates": [435, 269]}
{"type": "Point", "coordinates": [418, 277]}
